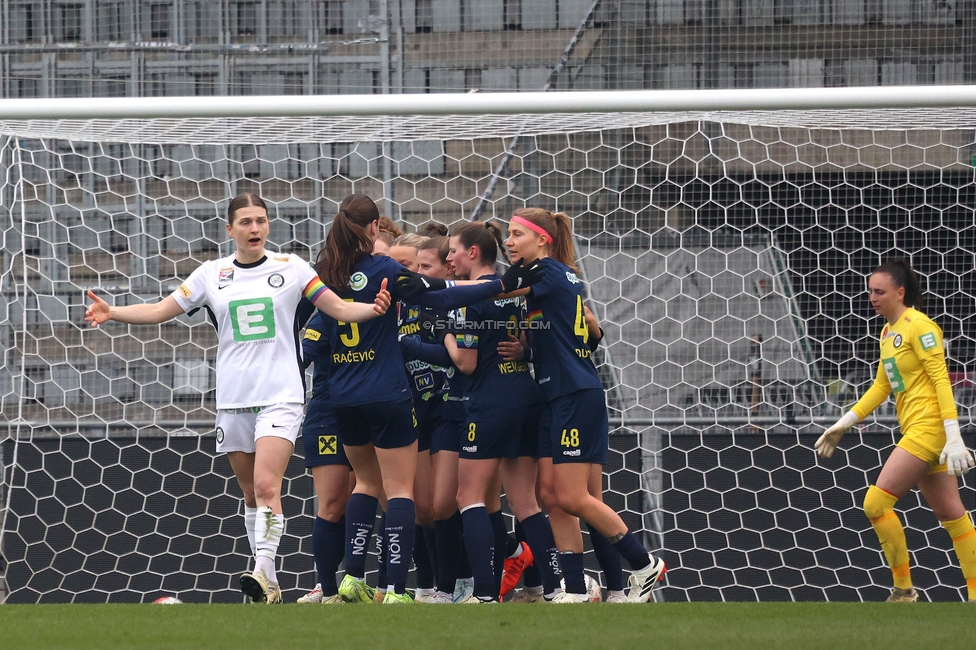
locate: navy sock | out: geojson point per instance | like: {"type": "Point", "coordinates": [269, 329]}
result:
{"type": "Point", "coordinates": [401, 529]}
{"type": "Point", "coordinates": [532, 577]}
{"type": "Point", "coordinates": [500, 531]}
{"type": "Point", "coordinates": [464, 566]}
{"type": "Point", "coordinates": [421, 560]}
{"type": "Point", "coordinates": [328, 547]}
{"type": "Point", "coordinates": [538, 535]}
{"type": "Point", "coordinates": [381, 579]}
{"type": "Point", "coordinates": [609, 559]}
{"type": "Point", "coordinates": [633, 551]}
{"type": "Point", "coordinates": [360, 517]}
{"type": "Point", "coordinates": [430, 539]}
{"type": "Point", "coordinates": [511, 545]}
{"type": "Point", "coordinates": [479, 541]}
{"type": "Point", "coordinates": [572, 567]}
{"type": "Point", "coordinates": [450, 548]}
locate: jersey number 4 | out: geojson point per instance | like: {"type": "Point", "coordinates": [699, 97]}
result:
{"type": "Point", "coordinates": [580, 327]}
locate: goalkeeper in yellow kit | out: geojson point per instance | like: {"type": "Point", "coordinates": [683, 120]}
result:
{"type": "Point", "coordinates": [930, 453]}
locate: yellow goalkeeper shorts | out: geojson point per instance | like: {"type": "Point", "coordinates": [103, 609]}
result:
{"type": "Point", "coordinates": [925, 442]}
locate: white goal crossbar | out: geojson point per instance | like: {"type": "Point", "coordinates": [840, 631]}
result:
{"type": "Point", "coordinates": [806, 99]}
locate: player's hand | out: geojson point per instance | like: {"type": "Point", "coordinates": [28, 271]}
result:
{"type": "Point", "coordinates": [511, 349]}
{"type": "Point", "coordinates": [957, 459]}
{"type": "Point", "coordinates": [98, 312]}
{"type": "Point", "coordinates": [828, 442]}
{"type": "Point", "coordinates": [410, 284]}
{"type": "Point", "coordinates": [519, 276]}
{"type": "Point", "coordinates": [383, 299]}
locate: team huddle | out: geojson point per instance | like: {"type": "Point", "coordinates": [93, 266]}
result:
{"type": "Point", "coordinates": [439, 385]}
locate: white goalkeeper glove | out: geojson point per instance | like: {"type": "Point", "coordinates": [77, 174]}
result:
{"type": "Point", "coordinates": [828, 442]}
{"type": "Point", "coordinates": [955, 455]}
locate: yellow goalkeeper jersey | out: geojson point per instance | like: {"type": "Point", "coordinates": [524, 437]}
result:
{"type": "Point", "coordinates": [913, 367]}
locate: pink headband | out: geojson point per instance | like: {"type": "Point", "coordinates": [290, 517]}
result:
{"type": "Point", "coordinates": [546, 237]}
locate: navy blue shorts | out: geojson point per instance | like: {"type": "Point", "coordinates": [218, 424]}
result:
{"type": "Point", "coordinates": [425, 431]}
{"type": "Point", "coordinates": [499, 434]}
{"type": "Point", "coordinates": [322, 447]}
{"type": "Point", "coordinates": [388, 425]}
{"type": "Point", "coordinates": [575, 428]}
{"type": "Point", "coordinates": [447, 436]}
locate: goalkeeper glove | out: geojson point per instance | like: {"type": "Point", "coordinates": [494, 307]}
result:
{"type": "Point", "coordinates": [955, 455]}
{"type": "Point", "coordinates": [410, 284]}
{"type": "Point", "coordinates": [828, 442]}
{"type": "Point", "coordinates": [518, 276]}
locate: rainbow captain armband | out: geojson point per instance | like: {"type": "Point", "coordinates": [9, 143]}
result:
{"type": "Point", "coordinates": [467, 341]}
{"type": "Point", "coordinates": [314, 289]}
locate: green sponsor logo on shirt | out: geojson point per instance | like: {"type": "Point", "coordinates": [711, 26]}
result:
{"type": "Point", "coordinates": [252, 319]}
{"type": "Point", "coordinates": [927, 340]}
{"type": "Point", "coordinates": [894, 377]}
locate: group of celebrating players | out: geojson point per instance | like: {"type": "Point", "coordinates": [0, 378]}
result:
{"type": "Point", "coordinates": [477, 385]}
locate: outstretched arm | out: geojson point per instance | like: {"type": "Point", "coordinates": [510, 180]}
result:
{"type": "Point", "coordinates": [353, 312]}
{"type": "Point", "coordinates": [145, 314]}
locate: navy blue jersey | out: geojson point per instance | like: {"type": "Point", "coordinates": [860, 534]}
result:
{"type": "Point", "coordinates": [430, 374]}
{"type": "Point", "coordinates": [366, 359]}
{"type": "Point", "coordinates": [495, 384]}
{"type": "Point", "coordinates": [316, 349]}
{"type": "Point", "coordinates": [558, 333]}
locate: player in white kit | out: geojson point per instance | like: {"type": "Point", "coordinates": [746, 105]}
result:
{"type": "Point", "coordinates": [253, 300]}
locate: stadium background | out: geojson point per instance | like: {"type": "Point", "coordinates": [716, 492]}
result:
{"type": "Point", "coordinates": [109, 492]}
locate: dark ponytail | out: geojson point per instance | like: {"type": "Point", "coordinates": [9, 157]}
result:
{"type": "Point", "coordinates": [433, 229]}
{"type": "Point", "coordinates": [486, 236]}
{"type": "Point", "coordinates": [347, 242]}
{"type": "Point", "coordinates": [903, 277]}
{"type": "Point", "coordinates": [245, 200]}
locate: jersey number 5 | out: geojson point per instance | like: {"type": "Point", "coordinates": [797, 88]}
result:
{"type": "Point", "coordinates": [351, 338]}
{"type": "Point", "coordinates": [580, 327]}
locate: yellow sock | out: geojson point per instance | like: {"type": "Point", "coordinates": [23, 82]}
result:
{"type": "Point", "coordinates": [879, 507]}
{"type": "Point", "coordinates": [964, 541]}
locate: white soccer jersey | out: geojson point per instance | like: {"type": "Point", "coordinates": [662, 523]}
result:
{"type": "Point", "coordinates": [254, 308]}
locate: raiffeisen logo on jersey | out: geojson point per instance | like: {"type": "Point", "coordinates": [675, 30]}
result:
{"type": "Point", "coordinates": [358, 281]}
{"type": "Point", "coordinates": [572, 277]}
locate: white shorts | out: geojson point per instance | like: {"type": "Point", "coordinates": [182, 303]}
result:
{"type": "Point", "coordinates": [238, 429]}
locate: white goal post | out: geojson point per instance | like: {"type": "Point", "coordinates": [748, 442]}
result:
{"type": "Point", "coordinates": [724, 237]}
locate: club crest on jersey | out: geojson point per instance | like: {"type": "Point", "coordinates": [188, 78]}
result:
{"type": "Point", "coordinates": [220, 435]}
{"type": "Point", "coordinates": [572, 277]}
{"type": "Point", "coordinates": [358, 281]}
{"type": "Point", "coordinates": [275, 280]}
{"type": "Point", "coordinates": [225, 277]}
{"type": "Point", "coordinates": [897, 341]}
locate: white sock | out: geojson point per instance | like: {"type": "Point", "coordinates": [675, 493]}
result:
{"type": "Point", "coordinates": [268, 529]}
{"type": "Point", "coordinates": [250, 514]}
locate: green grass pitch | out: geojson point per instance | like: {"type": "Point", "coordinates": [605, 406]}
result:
{"type": "Point", "coordinates": [751, 626]}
